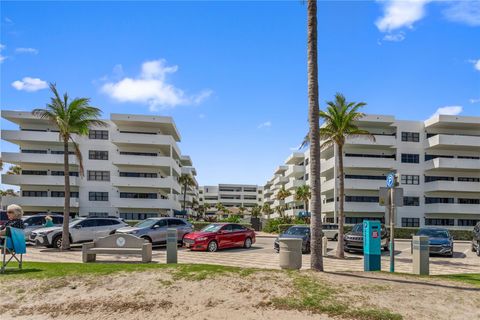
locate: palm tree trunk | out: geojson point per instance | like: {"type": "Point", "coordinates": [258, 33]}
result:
{"type": "Point", "coordinates": [66, 210]}
{"type": "Point", "coordinates": [341, 219]}
{"type": "Point", "coordinates": [184, 197]}
{"type": "Point", "coordinates": [313, 110]}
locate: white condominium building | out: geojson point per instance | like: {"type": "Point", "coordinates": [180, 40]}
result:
{"type": "Point", "coordinates": [437, 162]}
{"type": "Point", "coordinates": [231, 196]}
{"type": "Point", "coordinates": [191, 196]}
{"type": "Point", "coordinates": [131, 167]}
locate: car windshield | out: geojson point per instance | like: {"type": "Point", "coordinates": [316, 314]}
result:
{"type": "Point", "coordinates": [147, 223]}
{"type": "Point", "coordinates": [298, 231]}
{"type": "Point", "coordinates": [74, 222]}
{"type": "Point", "coordinates": [357, 228]}
{"type": "Point", "coordinates": [212, 228]}
{"type": "Point", "coordinates": [433, 233]}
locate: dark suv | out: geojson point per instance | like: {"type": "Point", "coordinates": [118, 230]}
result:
{"type": "Point", "coordinates": [353, 240]}
{"type": "Point", "coordinates": [476, 239]}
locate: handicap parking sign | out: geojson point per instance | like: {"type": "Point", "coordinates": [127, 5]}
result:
{"type": "Point", "coordinates": [390, 180]}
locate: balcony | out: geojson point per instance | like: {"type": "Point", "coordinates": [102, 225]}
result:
{"type": "Point", "coordinates": [452, 164]}
{"type": "Point", "coordinates": [148, 161]}
{"type": "Point", "coordinates": [452, 208]}
{"type": "Point", "coordinates": [363, 207]}
{"type": "Point", "coordinates": [36, 158]}
{"type": "Point", "coordinates": [453, 186]}
{"type": "Point", "coordinates": [358, 162]}
{"type": "Point", "coordinates": [38, 201]}
{"type": "Point", "coordinates": [353, 184]}
{"type": "Point", "coordinates": [145, 203]}
{"type": "Point", "coordinates": [295, 158]}
{"type": "Point", "coordinates": [157, 183]}
{"type": "Point", "coordinates": [18, 180]}
{"type": "Point", "coordinates": [295, 172]}
{"type": "Point", "coordinates": [450, 141]}
{"type": "Point", "coordinates": [280, 180]}
{"type": "Point", "coordinates": [380, 141]}
{"type": "Point", "coordinates": [294, 184]}
{"type": "Point", "coordinates": [230, 201]}
{"type": "Point", "coordinates": [19, 136]}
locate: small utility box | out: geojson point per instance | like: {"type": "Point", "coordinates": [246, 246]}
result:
{"type": "Point", "coordinates": [372, 245]}
{"type": "Point", "coordinates": [421, 255]}
{"type": "Point", "coordinates": [172, 243]}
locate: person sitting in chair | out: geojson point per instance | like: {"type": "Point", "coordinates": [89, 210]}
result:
{"type": "Point", "coordinates": [15, 214]}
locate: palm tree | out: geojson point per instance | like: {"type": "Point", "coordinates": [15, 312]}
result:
{"type": "Point", "coordinates": [282, 194]}
{"type": "Point", "coordinates": [241, 210]}
{"type": "Point", "coordinates": [8, 192]}
{"type": "Point", "coordinates": [255, 211]}
{"type": "Point", "coordinates": [340, 118]}
{"type": "Point", "coordinates": [14, 170]}
{"type": "Point", "coordinates": [202, 209]}
{"type": "Point", "coordinates": [267, 210]}
{"type": "Point", "coordinates": [313, 109]}
{"type": "Point", "coordinates": [280, 209]}
{"type": "Point", "coordinates": [220, 207]}
{"type": "Point", "coordinates": [185, 180]}
{"type": "Point", "coordinates": [303, 194]}
{"type": "Point", "coordinates": [70, 117]}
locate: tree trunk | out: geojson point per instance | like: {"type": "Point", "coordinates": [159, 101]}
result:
{"type": "Point", "coordinates": [313, 110]}
{"type": "Point", "coordinates": [341, 219]}
{"type": "Point", "coordinates": [66, 210]}
{"type": "Point", "coordinates": [184, 197]}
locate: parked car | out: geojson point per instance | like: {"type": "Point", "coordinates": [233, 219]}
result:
{"type": "Point", "coordinates": [37, 221]}
{"type": "Point", "coordinates": [81, 230]}
{"type": "Point", "coordinates": [353, 240]}
{"type": "Point", "coordinates": [295, 232]}
{"type": "Point", "coordinates": [439, 241]}
{"type": "Point", "coordinates": [476, 239]}
{"type": "Point", "coordinates": [220, 236]}
{"type": "Point", "coordinates": [330, 230]}
{"type": "Point", "coordinates": [155, 229]}
{"type": "Point", "coordinates": [3, 218]}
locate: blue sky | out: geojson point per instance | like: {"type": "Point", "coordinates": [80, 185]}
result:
{"type": "Point", "coordinates": [233, 74]}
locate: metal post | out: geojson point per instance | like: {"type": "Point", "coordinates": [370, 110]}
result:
{"type": "Point", "coordinates": [392, 240]}
{"type": "Point", "coordinates": [172, 245]}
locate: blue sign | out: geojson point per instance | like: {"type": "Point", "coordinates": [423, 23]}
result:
{"type": "Point", "coordinates": [390, 180]}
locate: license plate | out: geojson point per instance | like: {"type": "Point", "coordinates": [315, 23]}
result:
{"type": "Point", "coordinates": [187, 245]}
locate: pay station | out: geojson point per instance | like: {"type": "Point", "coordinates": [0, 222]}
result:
{"type": "Point", "coordinates": [371, 245]}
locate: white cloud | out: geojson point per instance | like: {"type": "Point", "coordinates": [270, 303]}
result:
{"type": "Point", "coordinates": [401, 13]}
{"type": "Point", "coordinates": [265, 124]}
{"type": "Point", "coordinates": [26, 50]}
{"type": "Point", "coordinates": [476, 63]}
{"type": "Point", "coordinates": [474, 100]}
{"type": "Point", "coordinates": [449, 110]}
{"type": "Point", "coordinates": [467, 12]}
{"type": "Point", "coordinates": [151, 87]}
{"type": "Point", "coordinates": [2, 57]}
{"type": "Point", "coordinates": [30, 84]}
{"type": "Point", "coordinates": [394, 37]}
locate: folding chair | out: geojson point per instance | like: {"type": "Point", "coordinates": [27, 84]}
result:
{"type": "Point", "coordinates": [14, 245]}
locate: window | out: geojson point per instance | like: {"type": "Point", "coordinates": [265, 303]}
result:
{"type": "Point", "coordinates": [468, 157]}
{"type": "Point", "coordinates": [410, 158]}
{"type": "Point", "coordinates": [98, 134]}
{"type": "Point", "coordinates": [98, 175]}
{"type": "Point", "coordinates": [88, 223]}
{"type": "Point", "coordinates": [104, 222]}
{"type": "Point", "coordinates": [434, 156]}
{"type": "Point", "coordinates": [35, 221]}
{"type": "Point", "coordinates": [410, 179]}
{"type": "Point", "coordinates": [28, 193]}
{"type": "Point", "coordinates": [139, 174]}
{"type": "Point", "coordinates": [411, 201]}
{"type": "Point", "coordinates": [61, 173]}
{"type": "Point", "coordinates": [137, 216]}
{"type": "Point", "coordinates": [306, 177]}
{"type": "Point", "coordinates": [98, 214]}
{"type": "Point", "coordinates": [411, 136]}
{"type": "Point", "coordinates": [468, 222]}
{"type": "Point", "coordinates": [175, 222]}
{"type": "Point", "coordinates": [429, 200]}
{"type": "Point", "coordinates": [34, 172]}
{"type": "Point", "coordinates": [132, 195]}
{"type": "Point", "coordinates": [464, 179]}
{"type": "Point", "coordinates": [361, 155]}
{"type": "Point", "coordinates": [61, 194]}
{"type": "Point", "coordinates": [361, 199]}
{"type": "Point", "coordinates": [439, 222]}
{"type": "Point", "coordinates": [149, 154]}
{"type": "Point", "coordinates": [355, 220]}
{"type": "Point", "coordinates": [34, 151]}
{"type": "Point", "coordinates": [364, 177]}
{"type": "Point", "coordinates": [469, 201]}
{"type": "Point", "coordinates": [61, 152]}
{"type": "Point", "coordinates": [98, 196]}
{"type": "Point", "coordinates": [411, 222]}
{"type": "Point", "coordinates": [437, 178]}
{"type": "Point", "coordinates": [237, 227]}
{"type": "Point", "coordinates": [97, 155]}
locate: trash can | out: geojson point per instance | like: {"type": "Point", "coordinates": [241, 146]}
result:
{"type": "Point", "coordinates": [290, 253]}
{"type": "Point", "coordinates": [172, 245]}
{"type": "Point", "coordinates": [421, 255]}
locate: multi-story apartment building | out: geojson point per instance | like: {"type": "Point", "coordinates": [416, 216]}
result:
{"type": "Point", "coordinates": [191, 196]}
{"type": "Point", "coordinates": [437, 162]}
{"type": "Point", "coordinates": [131, 167]}
{"type": "Point", "coordinates": [231, 196]}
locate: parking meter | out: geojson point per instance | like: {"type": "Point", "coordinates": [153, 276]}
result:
{"type": "Point", "coordinates": [372, 235]}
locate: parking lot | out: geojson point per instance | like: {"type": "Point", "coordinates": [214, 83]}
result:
{"type": "Point", "coordinates": [262, 255]}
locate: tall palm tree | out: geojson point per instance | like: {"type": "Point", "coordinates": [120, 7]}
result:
{"type": "Point", "coordinates": [185, 181]}
{"type": "Point", "coordinates": [241, 210]}
{"type": "Point", "coordinates": [73, 117]}
{"type": "Point", "coordinates": [282, 194]}
{"type": "Point", "coordinates": [8, 192]}
{"type": "Point", "coordinates": [303, 194]}
{"type": "Point", "coordinates": [255, 211]}
{"type": "Point", "coordinates": [220, 207]}
{"type": "Point", "coordinates": [267, 210]}
{"type": "Point", "coordinates": [313, 109]}
{"type": "Point", "coordinates": [14, 170]}
{"type": "Point", "coordinates": [339, 124]}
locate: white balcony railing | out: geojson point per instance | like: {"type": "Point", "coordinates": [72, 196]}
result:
{"type": "Point", "coordinates": [451, 141]}
{"type": "Point", "coordinates": [452, 164]}
{"type": "Point", "coordinates": [452, 208]}
{"type": "Point", "coordinates": [453, 186]}
{"type": "Point", "coordinates": [160, 183]}
{"type": "Point", "coordinates": [295, 171]}
{"type": "Point", "coordinates": [145, 203]}
{"type": "Point", "coordinates": [18, 180]}
{"type": "Point", "coordinates": [36, 158]}
{"type": "Point", "coordinates": [38, 201]}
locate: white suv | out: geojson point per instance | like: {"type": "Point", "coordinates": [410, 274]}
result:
{"type": "Point", "coordinates": [80, 229]}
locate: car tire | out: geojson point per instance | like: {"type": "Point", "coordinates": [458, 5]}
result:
{"type": "Point", "coordinates": [307, 249]}
{"type": "Point", "coordinates": [147, 238]}
{"type": "Point", "coordinates": [335, 237]}
{"type": "Point", "coordinates": [386, 249]}
{"type": "Point", "coordinates": [212, 246]}
{"type": "Point", "coordinates": [248, 243]}
{"type": "Point", "coordinates": [57, 242]}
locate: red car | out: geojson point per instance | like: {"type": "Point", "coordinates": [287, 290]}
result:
{"type": "Point", "coordinates": [219, 236]}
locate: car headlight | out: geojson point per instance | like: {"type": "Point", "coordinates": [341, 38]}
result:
{"type": "Point", "coordinates": [134, 231]}
{"type": "Point", "coordinates": [201, 239]}
{"type": "Point", "coordinates": [46, 232]}
{"type": "Point", "coordinates": [446, 245]}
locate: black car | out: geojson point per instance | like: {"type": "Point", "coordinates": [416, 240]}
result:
{"type": "Point", "coordinates": [439, 241]}
{"type": "Point", "coordinates": [353, 240]}
{"type": "Point", "coordinates": [296, 232]}
{"type": "Point", "coordinates": [476, 239]}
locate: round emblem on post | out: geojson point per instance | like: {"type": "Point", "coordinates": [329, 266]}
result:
{"type": "Point", "coordinates": [120, 241]}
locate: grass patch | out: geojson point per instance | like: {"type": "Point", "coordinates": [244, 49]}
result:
{"type": "Point", "coordinates": [470, 278]}
{"type": "Point", "coordinates": [46, 270]}
{"type": "Point", "coordinates": [319, 297]}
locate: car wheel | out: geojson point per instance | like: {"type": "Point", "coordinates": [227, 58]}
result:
{"type": "Point", "coordinates": [307, 249]}
{"type": "Point", "coordinates": [248, 243]}
{"type": "Point", "coordinates": [212, 246]}
{"type": "Point", "coordinates": [385, 248]}
{"type": "Point", "coordinates": [335, 237]}
{"type": "Point", "coordinates": [57, 242]}
{"type": "Point", "coordinates": [148, 239]}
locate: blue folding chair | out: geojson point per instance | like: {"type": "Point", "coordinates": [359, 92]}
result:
{"type": "Point", "coordinates": [14, 245]}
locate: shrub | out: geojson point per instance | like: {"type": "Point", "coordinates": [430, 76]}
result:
{"type": "Point", "coordinates": [232, 219]}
